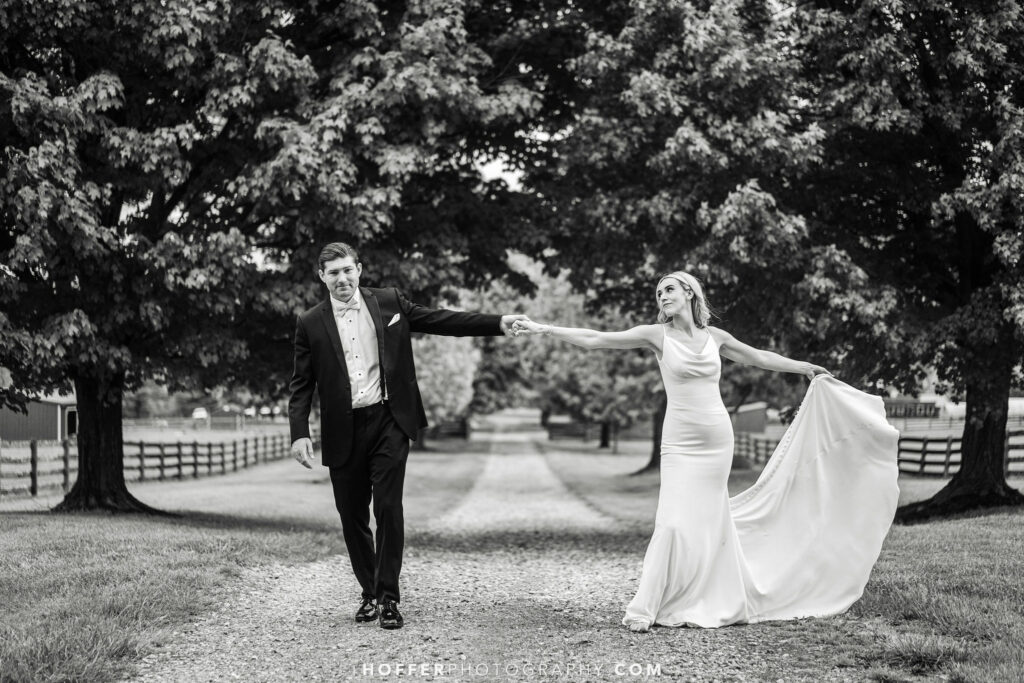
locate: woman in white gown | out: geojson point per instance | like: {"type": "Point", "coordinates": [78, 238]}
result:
{"type": "Point", "coordinates": [802, 540]}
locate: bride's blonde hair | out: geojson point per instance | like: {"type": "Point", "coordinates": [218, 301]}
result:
{"type": "Point", "coordinates": [699, 306]}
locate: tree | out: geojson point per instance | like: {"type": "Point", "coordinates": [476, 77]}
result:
{"type": "Point", "coordinates": [686, 131]}
{"type": "Point", "coordinates": [125, 254]}
{"type": "Point", "coordinates": [846, 177]}
{"type": "Point", "coordinates": [611, 388]}
{"type": "Point", "coordinates": [170, 170]}
{"type": "Point", "coordinates": [921, 187]}
{"type": "Point", "coordinates": [500, 381]}
{"type": "Point", "coordinates": [447, 368]}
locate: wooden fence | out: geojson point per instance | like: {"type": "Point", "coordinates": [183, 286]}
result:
{"type": "Point", "coordinates": [923, 455]}
{"type": "Point", "coordinates": [940, 424]}
{"type": "Point", "coordinates": [34, 466]}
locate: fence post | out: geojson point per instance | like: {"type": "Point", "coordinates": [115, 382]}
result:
{"type": "Point", "coordinates": [33, 485]}
{"type": "Point", "coordinates": [162, 455]}
{"type": "Point", "coordinates": [949, 453]}
{"type": "Point", "coordinates": [245, 453]}
{"type": "Point", "coordinates": [209, 458]}
{"type": "Point", "coordinates": [195, 459]}
{"type": "Point", "coordinates": [266, 442]}
{"type": "Point", "coordinates": [179, 462]}
{"type": "Point", "coordinates": [223, 458]}
{"type": "Point", "coordinates": [234, 456]}
{"type": "Point", "coordinates": [67, 465]}
{"type": "Point", "coordinates": [924, 452]}
{"type": "Point", "coordinates": [1006, 454]}
{"type": "Point", "coordinates": [142, 461]}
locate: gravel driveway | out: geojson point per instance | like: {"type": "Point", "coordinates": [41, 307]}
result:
{"type": "Point", "coordinates": [519, 580]}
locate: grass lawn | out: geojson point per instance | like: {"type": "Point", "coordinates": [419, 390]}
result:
{"type": "Point", "coordinates": [85, 595]}
{"type": "Point", "coordinates": [944, 601]}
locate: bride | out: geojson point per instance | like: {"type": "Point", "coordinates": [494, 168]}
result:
{"type": "Point", "coordinates": [802, 540]}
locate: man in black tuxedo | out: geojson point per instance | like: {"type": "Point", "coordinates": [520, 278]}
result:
{"type": "Point", "coordinates": [354, 349]}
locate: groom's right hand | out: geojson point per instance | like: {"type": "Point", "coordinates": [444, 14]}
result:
{"type": "Point", "coordinates": [302, 450]}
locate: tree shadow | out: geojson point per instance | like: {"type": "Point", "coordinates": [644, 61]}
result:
{"type": "Point", "coordinates": [619, 541]}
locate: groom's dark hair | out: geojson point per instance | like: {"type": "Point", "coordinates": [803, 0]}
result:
{"type": "Point", "coordinates": [335, 250]}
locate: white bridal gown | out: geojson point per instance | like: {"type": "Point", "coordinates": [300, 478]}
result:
{"type": "Point", "coordinates": [798, 543]}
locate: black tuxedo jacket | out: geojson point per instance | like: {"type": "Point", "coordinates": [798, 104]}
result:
{"type": "Point", "coordinates": [320, 365]}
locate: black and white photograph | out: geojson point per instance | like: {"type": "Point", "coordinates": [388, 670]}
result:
{"type": "Point", "coordinates": [511, 340]}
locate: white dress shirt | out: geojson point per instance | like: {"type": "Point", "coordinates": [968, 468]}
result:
{"type": "Point", "coordinates": [359, 340]}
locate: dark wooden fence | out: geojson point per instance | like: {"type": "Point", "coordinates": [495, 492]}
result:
{"type": "Point", "coordinates": [930, 456]}
{"type": "Point", "coordinates": [34, 466]}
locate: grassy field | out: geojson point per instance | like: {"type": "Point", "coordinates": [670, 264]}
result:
{"type": "Point", "coordinates": [87, 596]}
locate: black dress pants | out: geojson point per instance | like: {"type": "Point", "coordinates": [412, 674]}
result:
{"type": "Point", "coordinates": [375, 469]}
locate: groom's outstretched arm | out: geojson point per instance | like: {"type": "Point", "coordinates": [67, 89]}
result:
{"type": "Point", "coordinates": [456, 323]}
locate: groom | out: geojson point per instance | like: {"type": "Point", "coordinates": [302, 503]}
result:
{"type": "Point", "coordinates": [354, 349]}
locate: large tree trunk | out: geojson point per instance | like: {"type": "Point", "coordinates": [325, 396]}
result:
{"type": "Point", "coordinates": [100, 484]}
{"type": "Point", "coordinates": [981, 480]}
{"type": "Point", "coordinates": [658, 421]}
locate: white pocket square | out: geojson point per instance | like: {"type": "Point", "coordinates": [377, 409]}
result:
{"type": "Point", "coordinates": [394, 320]}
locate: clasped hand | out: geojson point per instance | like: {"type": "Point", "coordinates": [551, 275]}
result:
{"type": "Point", "coordinates": [527, 328]}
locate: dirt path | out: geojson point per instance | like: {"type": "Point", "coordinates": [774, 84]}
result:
{"type": "Point", "coordinates": [519, 580]}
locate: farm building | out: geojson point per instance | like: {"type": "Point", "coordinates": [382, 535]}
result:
{"type": "Point", "coordinates": [49, 418]}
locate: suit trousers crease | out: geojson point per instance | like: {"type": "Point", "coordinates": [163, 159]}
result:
{"type": "Point", "coordinates": [375, 471]}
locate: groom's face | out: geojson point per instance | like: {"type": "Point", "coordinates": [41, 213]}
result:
{"type": "Point", "coordinates": [341, 277]}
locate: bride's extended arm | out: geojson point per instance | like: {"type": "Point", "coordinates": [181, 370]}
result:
{"type": "Point", "coordinates": [637, 337]}
{"type": "Point", "coordinates": [737, 351]}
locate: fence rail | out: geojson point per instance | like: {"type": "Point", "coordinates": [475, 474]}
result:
{"type": "Point", "coordinates": [37, 466]}
{"type": "Point", "coordinates": [923, 455]}
{"type": "Point", "coordinates": [951, 424]}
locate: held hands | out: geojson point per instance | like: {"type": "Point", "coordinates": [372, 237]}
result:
{"type": "Point", "coordinates": [528, 328]}
{"type": "Point", "coordinates": [302, 450]}
{"type": "Point", "coordinates": [508, 322]}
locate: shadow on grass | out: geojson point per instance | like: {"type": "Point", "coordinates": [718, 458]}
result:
{"type": "Point", "coordinates": [198, 520]}
{"type": "Point", "coordinates": [619, 542]}
{"type": "Point", "coordinates": [996, 511]}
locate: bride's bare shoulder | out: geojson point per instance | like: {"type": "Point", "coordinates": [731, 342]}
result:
{"type": "Point", "coordinates": [718, 333]}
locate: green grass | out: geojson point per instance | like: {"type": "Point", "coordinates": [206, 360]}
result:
{"type": "Point", "coordinates": [84, 596]}
{"type": "Point", "coordinates": [944, 599]}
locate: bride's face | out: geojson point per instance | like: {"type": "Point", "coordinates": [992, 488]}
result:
{"type": "Point", "coordinates": [673, 296]}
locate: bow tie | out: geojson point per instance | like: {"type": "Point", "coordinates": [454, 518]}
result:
{"type": "Point", "coordinates": [350, 305]}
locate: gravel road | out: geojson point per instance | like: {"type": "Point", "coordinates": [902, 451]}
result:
{"type": "Point", "coordinates": [519, 580]}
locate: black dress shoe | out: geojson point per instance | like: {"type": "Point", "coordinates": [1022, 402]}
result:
{"type": "Point", "coordinates": [367, 611]}
{"type": "Point", "coordinates": [390, 617]}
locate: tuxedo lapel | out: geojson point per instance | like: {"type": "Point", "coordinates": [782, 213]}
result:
{"type": "Point", "coordinates": [374, 308]}
{"type": "Point", "coordinates": [327, 313]}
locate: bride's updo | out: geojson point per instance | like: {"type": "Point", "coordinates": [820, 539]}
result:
{"type": "Point", "coordinates": [698, 304]}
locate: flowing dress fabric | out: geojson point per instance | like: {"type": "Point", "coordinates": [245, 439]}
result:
{"type": "Point", "coordinates": [800, 542]}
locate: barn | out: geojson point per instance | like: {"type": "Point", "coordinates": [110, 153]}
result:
{"type": "Point", "coordinates": [49, 418]}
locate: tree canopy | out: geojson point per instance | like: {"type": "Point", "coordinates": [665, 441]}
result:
{"type": "Point", "coordinates": [171, 169]}
{"type": "Point", "coordinates": [846, 177]}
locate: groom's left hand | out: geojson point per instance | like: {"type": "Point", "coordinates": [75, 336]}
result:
{"type": "Point", "coordinates": [507, 320]}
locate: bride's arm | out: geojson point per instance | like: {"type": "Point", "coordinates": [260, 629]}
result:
{"type": "Point", "coordinates": [737, 351]}
{"type": "Point", "coordinates": [642, 336]}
